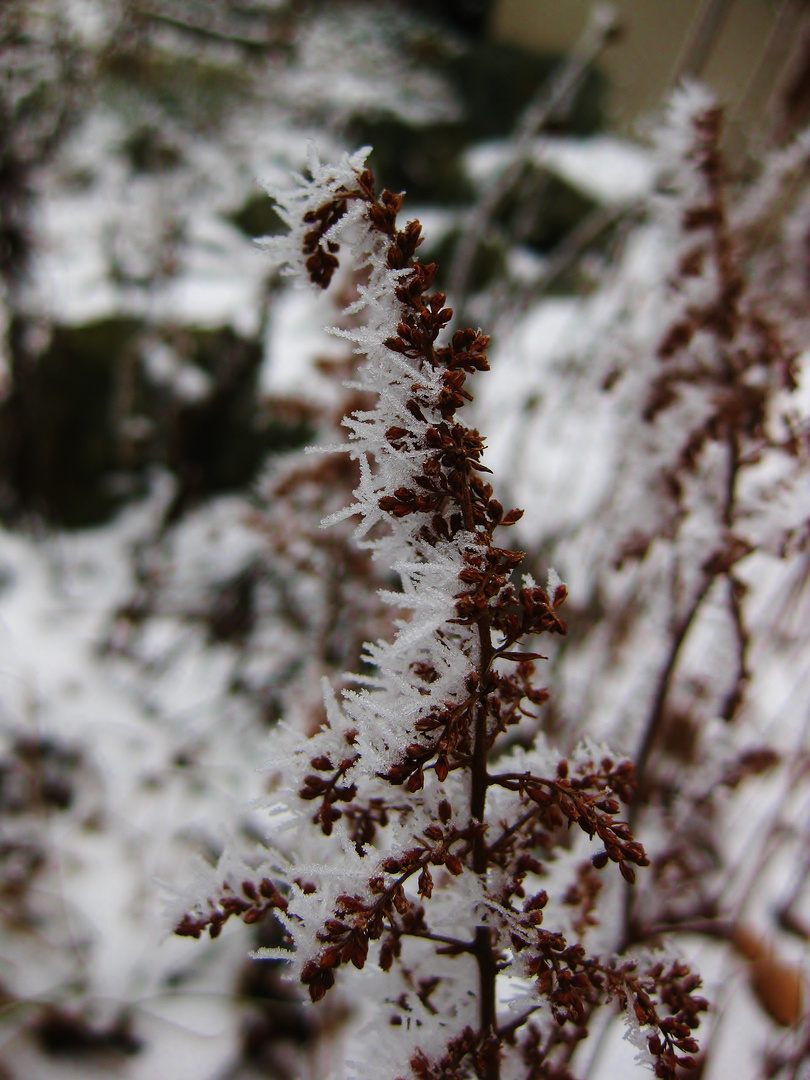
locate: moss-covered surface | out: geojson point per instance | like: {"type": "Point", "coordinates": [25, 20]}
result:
{"type": "Point", "coordinates": [496, 81]}
{"type": "Point", "coordinates": [59, 443]}
{"type": "Point", "coordinates": [218, 443]}
{"type": "Point", "coordinates": [541, 209]}
{"type": "Point", "coordinates": [493, 83]}
{"type": "Point", "coordinates": [196, 91]}
{"type": "Point", "coordinates": [149, 150]}
{"type": "Point", "coordinates": [70, 453]}
{"type": "Point", "coordinates": [257, 217]}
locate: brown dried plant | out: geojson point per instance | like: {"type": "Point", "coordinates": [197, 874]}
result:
{"type": "Point", "coordinates": [422, 845]}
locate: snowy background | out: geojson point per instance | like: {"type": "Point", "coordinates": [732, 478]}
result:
{"type": "Point", "coordinates": [165, 593]}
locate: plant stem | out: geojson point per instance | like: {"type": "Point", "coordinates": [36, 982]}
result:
{"type": "Point", "coordinates": [487, 976]}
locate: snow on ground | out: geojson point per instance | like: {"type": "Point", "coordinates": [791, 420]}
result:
{"type": "Point", "coordinates": [139, 814]}
{"type": "Point", "coordinates": [609, 169]}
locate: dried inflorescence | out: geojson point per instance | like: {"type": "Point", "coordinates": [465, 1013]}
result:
{"type": "Point", "coordinates": [731, 453]}
{"type": "Point", "coordinates": [255, 903]}
{"type": "Point", "coordinates": [419, 841]}
{"type": "Point", "coordinates": [688, 643]}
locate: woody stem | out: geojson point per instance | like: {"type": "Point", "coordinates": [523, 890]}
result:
{"type": "Point", "coordinates": [482, 947]}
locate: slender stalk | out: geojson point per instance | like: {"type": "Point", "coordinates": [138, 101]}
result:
{"type": "Point", "coordinates": [551, 99]}
{"type": "Point", "coordinates": [487, 978]}
{"type": "Point", "coordinates": [655, 717]}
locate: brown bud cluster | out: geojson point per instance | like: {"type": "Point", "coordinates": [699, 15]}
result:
{"type": "Point", "coordinates": [448, 499]}
{"type": "Point", "coordinates": [328, 790]}
{"type": "Point", "coordinates": [361, 919]}
{"type": "Point", "coordinates": [255, 903]}
{"type": "Point", "coordinates": [321, 262]}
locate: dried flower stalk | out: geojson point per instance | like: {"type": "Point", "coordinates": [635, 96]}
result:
{"type": "Point", "coordinates": [416, 842]}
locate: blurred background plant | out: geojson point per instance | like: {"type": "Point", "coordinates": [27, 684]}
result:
{"type": "Point", "coordinates": [165, 593]}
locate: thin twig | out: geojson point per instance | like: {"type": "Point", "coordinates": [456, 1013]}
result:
{"type": "Point", "coordinates": [552, 98]}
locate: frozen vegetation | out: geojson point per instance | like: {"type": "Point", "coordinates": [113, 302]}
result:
{"type": "Point", "coordinates": [177, 627]}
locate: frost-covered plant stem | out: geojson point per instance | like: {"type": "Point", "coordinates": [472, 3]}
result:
{"type": "Point", "coordinates": [432, 850]}
{"type": "Point", "coordinates": [726, 351]}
